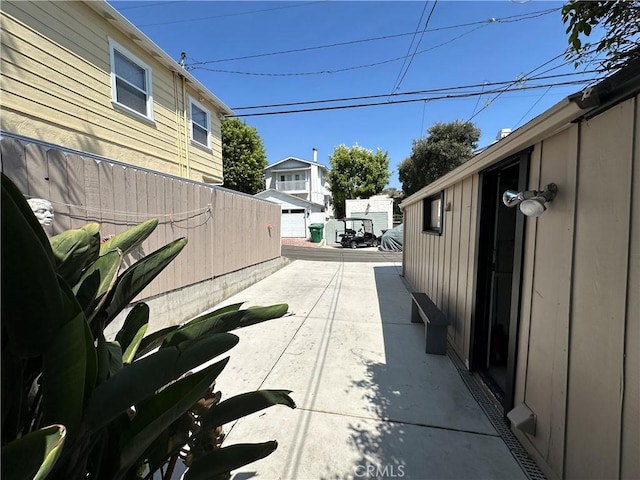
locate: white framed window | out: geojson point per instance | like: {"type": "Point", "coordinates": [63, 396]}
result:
{"type": "Point", "coordinates": [200, 123]}
{"type": "Point", "coordinates": [130, 81]}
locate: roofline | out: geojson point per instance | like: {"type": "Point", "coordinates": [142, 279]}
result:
{"type": "Point", "coordinates": [289, 195]}
{"type": "Point", "coordinates": [115, 18]}
{"type": "Point", "coordinates": [581, 105]}
{"type": "Point", "coordinates": [299, 159]}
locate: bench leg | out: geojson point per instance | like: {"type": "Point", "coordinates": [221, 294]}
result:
{"type": "Point", "coordinates": [415, 314]}
{"type": "Point", "coordinates": [436, 339]}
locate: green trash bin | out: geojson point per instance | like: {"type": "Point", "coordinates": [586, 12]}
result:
{"type": "Point", "coordinates": [316, 232]}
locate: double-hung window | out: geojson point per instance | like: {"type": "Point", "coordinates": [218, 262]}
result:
{"type": "Point", "coordinates": [130, 81]}
{"type": "Point", "coordinates": [200, 124]}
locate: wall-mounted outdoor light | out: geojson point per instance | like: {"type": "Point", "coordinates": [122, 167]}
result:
{"type": "Point", "coordinates": [532, 202]}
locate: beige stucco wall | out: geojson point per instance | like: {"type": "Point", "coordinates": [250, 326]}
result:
{"type": "Point", "coordinates": [56, 87]}
{"type": "Point", "coordinates": [578, 367]}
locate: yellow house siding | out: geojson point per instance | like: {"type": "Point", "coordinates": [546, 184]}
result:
{"type": "Point", "coordinates": [56, 87]}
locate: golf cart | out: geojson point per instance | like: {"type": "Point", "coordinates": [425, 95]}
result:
{"type": "Point", "coordinates": [358, 232]}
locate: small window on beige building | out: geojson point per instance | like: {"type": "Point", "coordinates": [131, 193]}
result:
{"type": "Point", "coordinates": [130, 81]}
{"type": "Point", "coordinates": [200, 124]}
{"type": "Point", "coordinates": [432, 214]}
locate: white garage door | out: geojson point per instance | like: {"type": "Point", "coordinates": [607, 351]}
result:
{"type": "Point", "coordinates": [293, 224]}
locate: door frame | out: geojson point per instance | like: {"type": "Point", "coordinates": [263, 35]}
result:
{"type": "Point", "coordinates": [485, 225]}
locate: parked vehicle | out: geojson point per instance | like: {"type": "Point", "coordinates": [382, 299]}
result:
{"type": "Point", "coordinates": [358, 232]}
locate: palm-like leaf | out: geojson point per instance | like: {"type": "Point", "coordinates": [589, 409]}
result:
{"type": "Point", "coordinates": [130, 238]}
{"type": "Point", "coordinates": [140, 380]}
{"type": "Point", "coordinates": [223, 460]}
{"type": "Point", "coordinates": [33, 456]}
{"type": "Point", "coordinates": [157, 414]}
{"type": "Point", "coordinates": [137, 277]}
{"type": "Point", "coordinates": [132, 332]}
{"type": "Point", "coordinates": [75, 249]}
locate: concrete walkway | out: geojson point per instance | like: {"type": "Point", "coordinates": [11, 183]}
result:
{"type": "Point", "coordinates": [371, 403]}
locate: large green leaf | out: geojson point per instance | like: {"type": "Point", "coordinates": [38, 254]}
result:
{"type": "Point", "coordinates": [10, 189]}
{"type": "Point", "coordinates": [225, 322]}
{"type": "Point", "coordinates": [226, 459]}
{"type": "Point", "coordinates": [75, 249]}
{"type": "Point", "coordinates": [141, 379]}
{"type": "Point", "coordinates": [157, 414]}
{"type": "Point", "coordinates": [229, 308]}
{"type": "Point", "coordinates": [115, 358]}
{"type": "Point", "coordinates": [33, 456]}
{"type": "Point", "coordinates": [130, 335]}
{"type": "Point", "coordinates": [245, 404]}
{"type": "Point", "coordinates": [130, 238]}
{"type": "Point", "coordinates": [169, 442]}
{"type": "Point", "coordinates": [32, 302]}
{"type": "Point", "coordinates": [153, 340]}
{"type": "Point", "coordinates": [96, 281]}
{"type": "Point", "coordinates": [12, 392]}
{"type": "Point", "coordinates": [138, 276]}
{"type": "Point", "coordinates": [103, 359]}
{"type": "Point", "coordinates": [64, 370]}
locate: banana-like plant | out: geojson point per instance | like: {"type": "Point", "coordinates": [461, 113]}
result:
{"type": "Point", "coordinates": [78, 406]}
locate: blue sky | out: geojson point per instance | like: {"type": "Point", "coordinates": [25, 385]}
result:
{"type": "Point", "coordinates": [465, 43]}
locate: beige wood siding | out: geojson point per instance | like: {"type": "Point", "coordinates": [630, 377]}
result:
{"type": "Point", "coordinates": [630, 460]}
{"type": "Point", "coordinates": [600, 273]}
{"type": "Point", "coordinates": [578, 366]}
{"type": "Point", "coordinates": [442, 266]}
{"type": "Point", "coordinates": [546, 295]}
{"type": "Point", "coordinates": [56, 87]}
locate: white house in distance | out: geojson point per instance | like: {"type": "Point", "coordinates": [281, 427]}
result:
{"type": "Point", "coordinates": [301, 188]}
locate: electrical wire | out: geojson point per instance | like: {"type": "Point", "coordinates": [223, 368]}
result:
{"type": "Point", "coordinates": [532, 106]}
{"type": "Point", "coordinates": [188, 20]}
{"type": "Point", "coordinates": [519, 17]}
{"type": "Point", "coordinates": [415, 92]}
{"type": "Point", "coordinates": [340, 70]}
{"type": "Point", "coordinates": [146, 4]}
{"type": "Point", "coordinates": [413, 38]}
{"type": "Point", "coordinates": [413, 100]}
{"type": "Point", "coordinates": [520, 80]}
{"type": "Point", "coordinates": [416, 50]}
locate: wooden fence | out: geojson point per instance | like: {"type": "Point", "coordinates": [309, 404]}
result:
{"type": "Point", "coordinates": [227, 231]}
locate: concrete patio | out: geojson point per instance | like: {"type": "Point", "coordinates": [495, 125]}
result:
{"type": "Point", "coordinates": [371, 403]}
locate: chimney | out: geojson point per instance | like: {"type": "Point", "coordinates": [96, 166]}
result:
{"type": "Point", "coordinates": [315, 155]}
{"type": "Point", "coordinates": [503, 133]}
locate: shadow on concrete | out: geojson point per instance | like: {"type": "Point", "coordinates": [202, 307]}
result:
{"type": "Point", "coordinates": [428, 424]}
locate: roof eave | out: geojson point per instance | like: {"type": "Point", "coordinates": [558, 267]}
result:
{"type": "Point", "coordinates": [557, 117]}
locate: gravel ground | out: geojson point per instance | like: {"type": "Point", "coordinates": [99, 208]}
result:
{"type": "Point", "coordinates": [300, 242]}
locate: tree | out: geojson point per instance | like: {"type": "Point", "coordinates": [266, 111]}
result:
{"type": "Point", "coordinates": [620, 40]}
{"type": "Point", "coordinates": [356, 172]}
{"type": "Point", "coordinates": [446, 146]}
{"type": "Point", "coordinates": [243, 157]}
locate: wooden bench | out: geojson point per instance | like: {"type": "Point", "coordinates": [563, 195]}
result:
{"type": "Point", "coordinates": [436, 323]}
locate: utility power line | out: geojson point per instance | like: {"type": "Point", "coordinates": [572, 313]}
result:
{"type": "Point", "coordinates": [415, 92]}
{"type": "Point", "coordinates": [426, 25]}
{"type": "Point", "coordinates": [424, 99]}
{"type": "Point", "coordinates": [339, 70]}
{"type": "Point", "coordinates": [200, 19]}
{"type": "Point", "coordinates": [513, 18]}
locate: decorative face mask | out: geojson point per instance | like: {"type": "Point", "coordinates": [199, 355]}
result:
{"type": "Point", "coordinates": [42, 209]}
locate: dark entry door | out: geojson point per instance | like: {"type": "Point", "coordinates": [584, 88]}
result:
{"type": "Point", "coordinates": [500, 243]}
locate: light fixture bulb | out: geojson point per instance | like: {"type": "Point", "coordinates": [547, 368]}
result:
{"type": "Point", "coordinates": [533, 207]}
